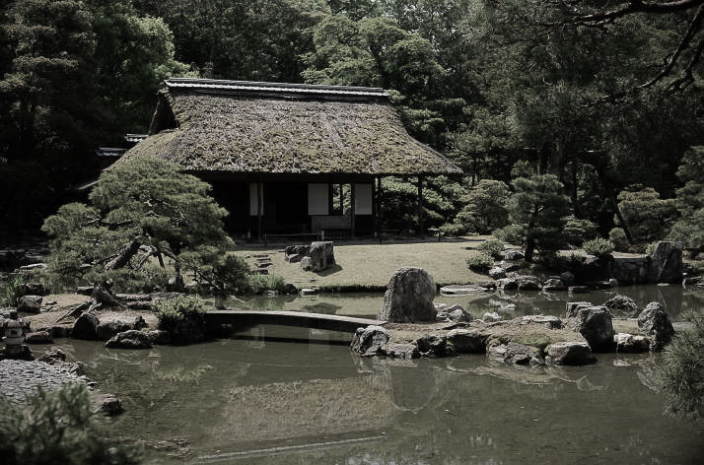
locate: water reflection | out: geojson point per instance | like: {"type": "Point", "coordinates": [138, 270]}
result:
{"type": "Point", "coordinates": [263, 402]}
{"type": "Point", "coordinates": [676, 299]}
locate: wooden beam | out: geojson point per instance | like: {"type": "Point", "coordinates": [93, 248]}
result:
{"type": "Point", "coordinates": [420, 207]}
{"type": "Point", "coordinates": [353, 213]}
{"type": "Point", "coordinates": [260, 208]}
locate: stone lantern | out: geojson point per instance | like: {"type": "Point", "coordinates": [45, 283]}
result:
{"type": "Point", "coordinates": [14, 338]}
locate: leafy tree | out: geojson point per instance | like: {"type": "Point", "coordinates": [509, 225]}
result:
{"type": "Point", "coordinates": [485, 206]}
{"type": "Point", "coordinates": [442, 199]}
{"type": "Point", "coordinates": [58, 427]}
{"type": "Point", "coordinates": [647, 216]}
{"type": "Point", "coordinates": [73, 75]}
{"type": "Point", "coordinates": [537, 211]}
{"type": "Point", "coordinates": [141, 208]}
{"type": "Point", "coordinates": [689, 228]}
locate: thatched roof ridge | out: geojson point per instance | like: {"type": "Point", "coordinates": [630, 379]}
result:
{"type": "Point", "coordinates": [268, 128]}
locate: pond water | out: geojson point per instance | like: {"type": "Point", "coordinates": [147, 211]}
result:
{"type": "Point", "coordinates": [676, 300]}
{"type": "Point", "coordinates": [258, 401]}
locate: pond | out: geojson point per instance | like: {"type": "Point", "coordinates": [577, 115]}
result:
{"type": "Point", "coordinates": [257, 401]}
{"type": "Point", "coordinates": [676, 300]}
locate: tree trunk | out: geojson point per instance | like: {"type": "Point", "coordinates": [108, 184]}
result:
{"type": "Point", "coordinates": [530, 248]}
{"type": "Point", "coordinates": [127, 252]}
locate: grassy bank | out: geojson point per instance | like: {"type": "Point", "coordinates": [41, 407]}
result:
{"type": "Point", "coordinates": [368, 266]}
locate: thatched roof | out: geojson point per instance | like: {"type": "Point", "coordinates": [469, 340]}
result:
{"type": "Point", "coordinates": [253, 127]}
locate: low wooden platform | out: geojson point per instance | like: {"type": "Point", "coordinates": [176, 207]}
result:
{"type": "Point", "coordinates": [248, 318]}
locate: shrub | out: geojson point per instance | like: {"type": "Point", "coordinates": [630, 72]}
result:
{"type": "Point", "coordinates": [577, 231]}
{"type": "Point", "coordinates": [647, 216]}
{"type": "Point", "coordinates": [598, 247]}
{"type": "Point", "coordinates": [258, 283]}
{"type": "Point", "coordinates": [481, 263]}
{"type": "Point", "coordinates": [682, 371]}
{"type": "Point", "coordinates": [183, 318]}
{"type": "Point", "coordinates": [492, 248]}
{"type": "Point", "coordinates": [452, 229]}
{"type": "Point", "coordinates": [511, 234]}
{"type": "Point", "coordinates": [11, 291]}
{"type": "Point", "coordinates": [618, 238]}
{"type": "Point", "coordinates": [216, 272]}
{"type": "Point", "coordinates": [58, 427]}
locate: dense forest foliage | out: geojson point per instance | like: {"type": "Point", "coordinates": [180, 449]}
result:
{"type": "Point", "coordinates": [601, 107]}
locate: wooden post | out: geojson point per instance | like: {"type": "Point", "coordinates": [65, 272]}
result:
{"type": "Point", "coordinates": [377, 209]}
{"type": "Point", "coordinates": [260, 205]}
{"type": "Point", "coordinates": [420, 205]}
{"type": "Point", "coordinates": [352, 209]}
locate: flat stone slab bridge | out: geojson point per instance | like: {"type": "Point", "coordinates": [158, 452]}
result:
{"type": "Point", "coordinates": [248, 318]}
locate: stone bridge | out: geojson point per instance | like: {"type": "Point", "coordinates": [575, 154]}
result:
{"type": "Point", "coordinates": [249, 318]}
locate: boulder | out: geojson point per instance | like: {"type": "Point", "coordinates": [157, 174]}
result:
{"type": "Point", "coordinates": [573, 308]}
{"type": "Point", "coordinates": [631, 343]}
{"type": "Point", "coordinates": [321, 255]}
{"type": "Point", "coordinates": [434, 345]}
{"type": "Point", "coordinates": [515, 353]}
{"type": "Point", "coordinates": [490, 317]}
{"type": "Point", "coordinates": [507, 284]}
{"type": "Point", "coordinates": [653, 321]}
{"type": "Point", "coordinates": [549, 321]}
{"type": "Point", "coordinates": [403, 351]}
{"type": "Point", "coordinates": [467, 341]}
{"type": "Point", "coordinates": [33, 288]}
{"type": "Point", "coordinates": [158, 336]}
{"type": "Point", "coordinates": [528, 283]}
{"type": "Point", "coordinates": [567, 278]}
{"type": "Point", "coordinates": [665, 263]}
{"type": "Point", "coordinates": [131, 339]}
{"type": "Point", "coordinates": [106, 330]}
{"type": "Point", "coordinates": [569, 353]}
{"type": "Point", "coordinates": [86, 327]}
{"type": "Point", "coordinates": [512, 254]}
{"type": "Point", "coordinates": [30, 304]}
{"type": "Point", "coordinates": [461, 290]}
{"type": "Point", "coordinates": [595, 324]}
{"type": "Point", "coordinates": [508, 266]}
{"type": "Point", "coordinates": [630, 270]}
{"type": "Point", "coordinates": [497, 273]}
{"type": "Point", "coordinates": [458, 314]}
{"type": "Point", "coordinates": [578, 289]}
{"type": "Point", "coordinates": [39, 337]}
{"type": "Point", "coordinates": [554, 285]}
{"type": "Point", "coordinates": [409, 297]}
{"type": "Point", "coordinates": [621, 305]}
{"type": "Point", "coordinates": [294, 253]}
{"type": "Point", "coordinates": [370, 341]}
{"type": "Point", "coordinates": [109, 404]}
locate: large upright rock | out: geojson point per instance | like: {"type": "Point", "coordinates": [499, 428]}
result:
{"type": "Point", "coordinates": [409, 297]}
{"type": "Point", "coordinates": [86, 327]}
{"type": "Point", "coordinates": [665, 263]}
{"type": "Point", "coordinates": [321, 255]}
{"type": "Point", "coordinates": [653, 321]}
{"type": "Point", "coordinates": [595, 324]}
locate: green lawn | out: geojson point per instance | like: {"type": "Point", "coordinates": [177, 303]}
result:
{"type": "Point", "coordinates": [370, 265]}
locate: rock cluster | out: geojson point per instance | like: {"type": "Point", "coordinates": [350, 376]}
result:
{"type": "Point", "coordinates": [316, 257]}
